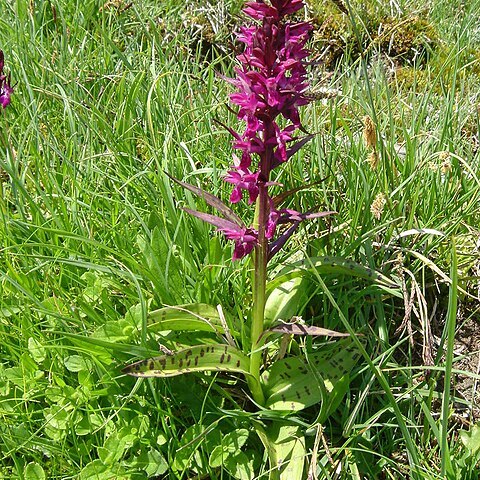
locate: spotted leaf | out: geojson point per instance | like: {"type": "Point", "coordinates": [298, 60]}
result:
{"type": "Point", "coordinates": [294, 383]}
{"type": "Point", "coordinates": [215, 357]}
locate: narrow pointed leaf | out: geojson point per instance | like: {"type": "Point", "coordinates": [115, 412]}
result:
{"type": "Point", "coordinates": [279, 199]}
{"type": "Point", "coordinates": [299, 329]}
{"type": "Point", "coordinates": [311, 216]}
{"type": "Point", "coordinates": [212, 200]}
{"type": "Point", "coordinates": [216, 357]}
{"type": "Point", "coordinates": [220, 223]}
{"type": "Point", "coordinates": [277, 245]}
{"type": "Point", "coordinates": [289, 216]}
{"type": "Point", "coordinates": [193, 316]}
{"type": "Point", "coordinates": [294, 383]}
{"type": "Point", "coordinates": [230, 130]}
{"type": "Point", "coordinates": [297, 146]}
{"type": "Point", "coordinates": [294, 149]}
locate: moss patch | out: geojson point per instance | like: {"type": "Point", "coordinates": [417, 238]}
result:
{"type": "Point", "coordinates": [405, 38]}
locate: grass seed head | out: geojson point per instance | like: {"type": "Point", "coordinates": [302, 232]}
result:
{"type": "Point", "coordinates": [378, 205]}
{"type": "Point", "coordinates": [369, 132]}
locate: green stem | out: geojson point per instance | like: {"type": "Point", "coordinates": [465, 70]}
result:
{"type": "Point", "coordinates": [260, 268]}
{"type": "Point", "coordinates": [259, 285]}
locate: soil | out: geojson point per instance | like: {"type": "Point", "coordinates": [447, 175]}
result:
{"type": "Point", "coordinates": [467, 388]}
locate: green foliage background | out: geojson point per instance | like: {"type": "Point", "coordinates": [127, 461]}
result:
{"type": "Point", "coordinates": [107, 98]}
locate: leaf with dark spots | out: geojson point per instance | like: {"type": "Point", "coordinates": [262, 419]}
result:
{"type": "Point", "coordinates": [312, 378]}
{"type": "Point", "coordinates": [233, 360]}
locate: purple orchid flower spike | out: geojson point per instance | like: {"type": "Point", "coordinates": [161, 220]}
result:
{"type": "Point", "coordinates": [270, 83]}
{"type": "Point", "coordinates": [243, 179]}
{"type": "Point", "coordinates": [6, 89]}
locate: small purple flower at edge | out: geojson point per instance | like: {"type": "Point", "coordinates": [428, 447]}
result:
{"type": "Point", "coordinates": [6, 89]}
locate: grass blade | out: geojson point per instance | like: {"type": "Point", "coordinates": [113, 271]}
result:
{"type": "Point", "coordinates": [450, 334]}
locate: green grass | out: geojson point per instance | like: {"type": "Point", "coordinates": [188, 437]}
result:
{"type": "Point", "coordinates": [92, 239]}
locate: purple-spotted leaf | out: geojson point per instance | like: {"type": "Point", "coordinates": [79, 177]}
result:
{"type": "Point", "coordinates": [300, 329]}
{"type": "Point", "coordinates": [295, 383]}
{"type": "Point", "coordinates": [218, 222]}
{"type": "Point", "coordinates": [212, 200]}
{"type": "Point", "coordinates": [200, 358]}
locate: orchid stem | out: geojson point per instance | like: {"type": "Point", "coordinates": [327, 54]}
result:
{"type": "Point", "coordinates": [259, 286]}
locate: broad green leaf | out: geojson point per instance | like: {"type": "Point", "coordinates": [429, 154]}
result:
{"type": "Point", "coordinates": [285, 445]}
{"type": "Point", "coordinates": [152, 462]}
{"type": "Point", "coordinates": [88, 424]}
{"type": "Point", "coordinates": [96, 470]}
{"type": "Point", "coordinates": [34, 471]}
{"type": "Point", "coordinates": [471, 439]}
{"type": "Point", "coordinates": [295, 383]}
{"type": "Point", "coordinates": [230, 444]}
{"type": "Point", "coordinates": [76, 363]}
{"type": "Point", "coordinates": [216, 357]}
{"type": "Point", "coordinates": [333, 265]}
{"type": "Point", "coordinates": [240, 465]}
{"type": "Point", "coordinates": [113, 449]}
{"type": "Point", "coordinates": [161, 439]}
{"type": "Point", "coordinates": [287, 299]}
{"type": "Point", "coordinates": [37, 350]}
{"type": "Point", "coordinates": [193, 316]}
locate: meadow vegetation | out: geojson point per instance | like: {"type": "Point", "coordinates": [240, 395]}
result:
{"type": "Point", "coordinates": [110, 96]}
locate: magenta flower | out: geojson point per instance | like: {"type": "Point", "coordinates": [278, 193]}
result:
{"type": "Point", "coordinates": [6, 89]}
{"type": "Point", "coordinates": [245, 241]}
{"type": "Point", "coordinates": [243, 179]}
